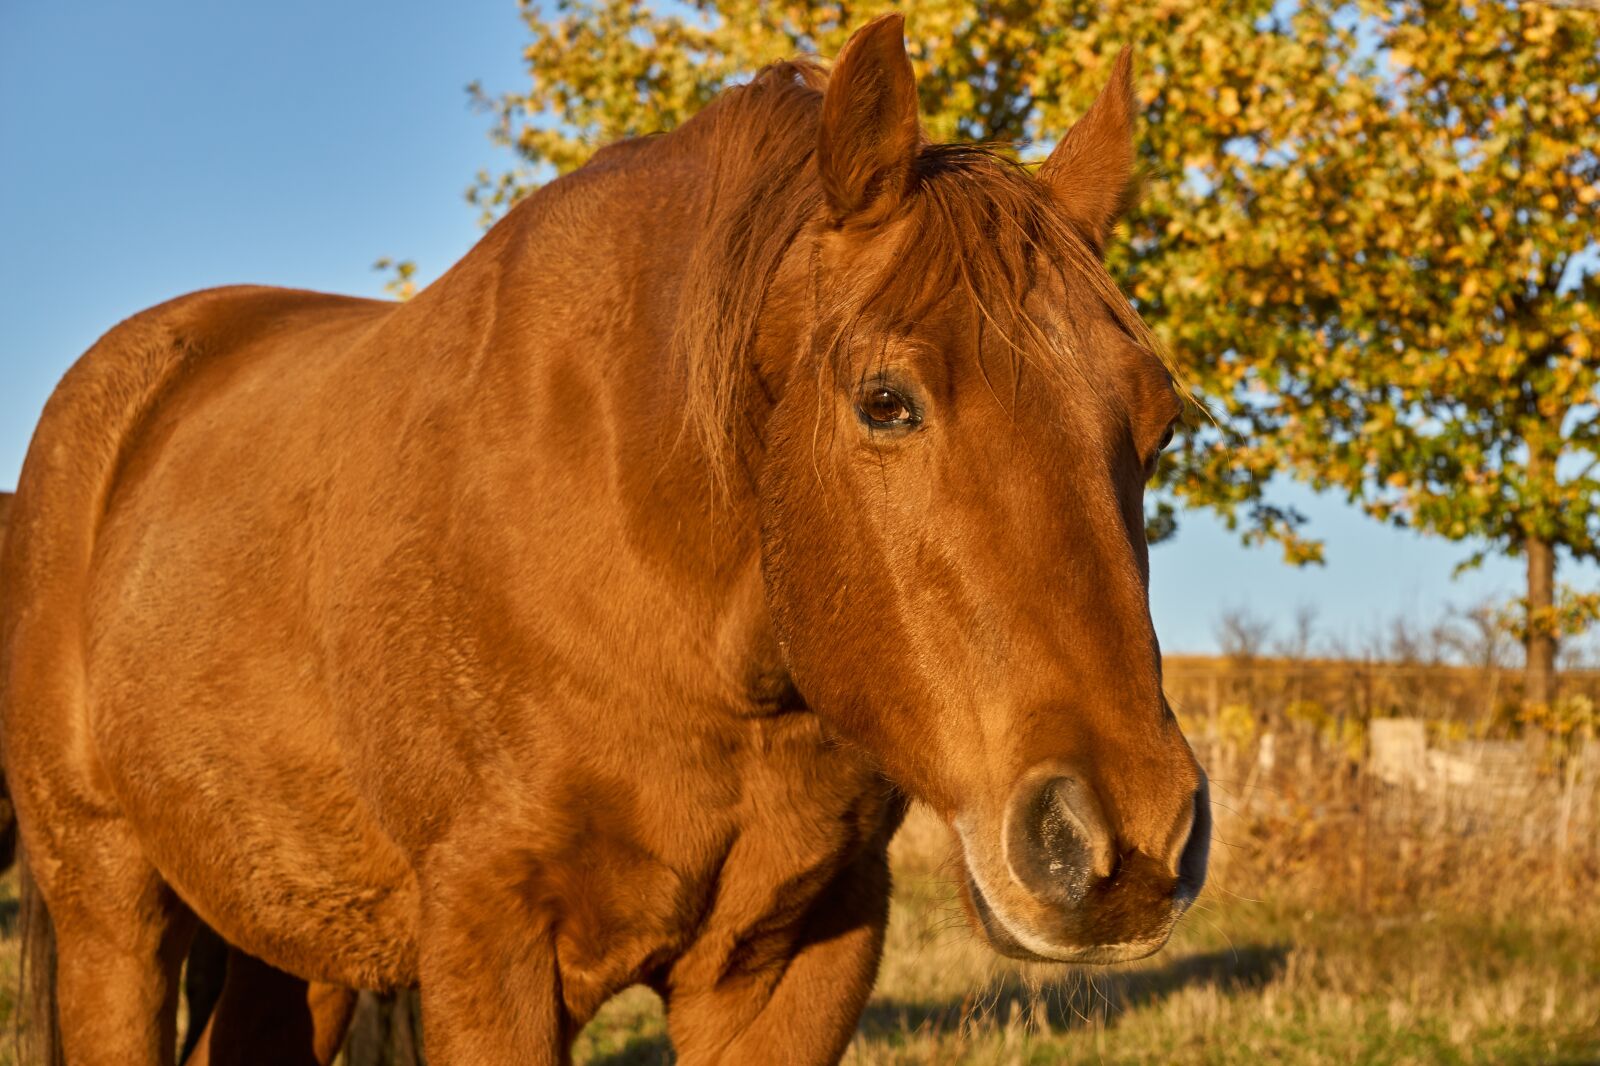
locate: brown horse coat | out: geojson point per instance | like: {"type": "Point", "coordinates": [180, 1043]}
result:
{"type": "Point", "coordinates": [585, 620]}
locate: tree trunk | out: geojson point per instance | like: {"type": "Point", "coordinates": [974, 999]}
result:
{"type": "Point", "coordinates": [1540, 679]}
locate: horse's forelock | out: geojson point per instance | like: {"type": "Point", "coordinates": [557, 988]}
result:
{"type": "Point", "coordinates": [983, 227]}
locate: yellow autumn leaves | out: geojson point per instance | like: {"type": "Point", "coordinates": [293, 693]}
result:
{"type": "Point", "coordinates": [1352, 216]}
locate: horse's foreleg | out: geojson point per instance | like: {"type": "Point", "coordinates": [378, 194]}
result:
{"type": "Point", "coordinates": [491, 991]}
{"type": "Point", "coordinates": [799, 1013]}
{"type": "Point", "coordinates": [266, 1015]}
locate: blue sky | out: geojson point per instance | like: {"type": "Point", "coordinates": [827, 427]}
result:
{"type": "Point", "coordinates": [150, 149]}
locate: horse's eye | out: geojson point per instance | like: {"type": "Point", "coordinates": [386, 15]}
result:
{"type": "Point", "coordinates": [1166, 439]}
{"type": "Point", "coordinates": [883, 406]}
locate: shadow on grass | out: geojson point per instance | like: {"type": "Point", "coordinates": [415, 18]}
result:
{"type": "Point", "coordinates": [1073, 1002]}
{"type": "Point", "coordinates": [638, 1051]}
{"type": "Point", "coordinates": [1080, 999]}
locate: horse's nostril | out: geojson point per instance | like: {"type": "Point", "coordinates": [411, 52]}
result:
{"type": "Point", "coordinates": [1058, 844]}
{"type": "Point", "coordinates": [1197, 849]}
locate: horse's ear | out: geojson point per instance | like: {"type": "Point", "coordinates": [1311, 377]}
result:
{"type": "Point", "coordinates": [1091, 170]}
{"type": "Point", "coordinates": [869, 136]}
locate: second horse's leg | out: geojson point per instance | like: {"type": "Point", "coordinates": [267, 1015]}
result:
{"type": "Point", "coordinates": [266, 1015]}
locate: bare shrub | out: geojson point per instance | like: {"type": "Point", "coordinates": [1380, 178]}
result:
{"type": "Point", "coordinates": [1241, 634]}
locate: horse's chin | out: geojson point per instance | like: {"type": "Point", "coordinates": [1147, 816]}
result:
{"type": "Point", "coordinates": [1013, 939]}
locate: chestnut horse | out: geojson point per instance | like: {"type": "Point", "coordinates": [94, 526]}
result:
{"type": "Point", "coordinates": [589, 619]}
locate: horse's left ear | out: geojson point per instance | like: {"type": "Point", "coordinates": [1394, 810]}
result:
{"type": "Point", "coordinates": [1091, 170]}
{"type": "Point", "coordinates": [868, 140]}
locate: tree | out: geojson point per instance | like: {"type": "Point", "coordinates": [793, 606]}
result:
{"type": "Point", "coordinates": [1421, 338]}
{"type": "Point", "coordinates": [1300, 642]}
{"type": "Point", "coordinates": [1352, 237]}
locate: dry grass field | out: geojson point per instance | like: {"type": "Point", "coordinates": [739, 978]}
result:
{"type": "Point", "coordinates": [1347, 920]}
{"type": "Point", "coordinates": [1274, 965]}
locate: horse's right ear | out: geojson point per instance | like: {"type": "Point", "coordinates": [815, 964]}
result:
{"type": "Point", "coordinates": [869, 136]}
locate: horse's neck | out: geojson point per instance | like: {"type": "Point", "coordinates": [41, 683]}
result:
{"type": "Point", "coordinates": [593, 266]}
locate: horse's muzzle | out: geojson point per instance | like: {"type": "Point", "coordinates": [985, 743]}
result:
{"type": "Point", "coordinates": [1065, 889]}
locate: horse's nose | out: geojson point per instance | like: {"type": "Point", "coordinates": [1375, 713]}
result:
{"type": "Point", "coordinates": [1196, 847]}
{"type": "Point", "coordinates": [1058, 844]}
{"type": "Point", "coordinates": [1056, 839]}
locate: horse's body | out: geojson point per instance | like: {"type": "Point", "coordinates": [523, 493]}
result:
{"type": "Point", "coordinates": [425, 644]}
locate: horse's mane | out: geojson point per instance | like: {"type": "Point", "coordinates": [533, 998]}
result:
{"type": "Point", "coordinates": [984, 226]}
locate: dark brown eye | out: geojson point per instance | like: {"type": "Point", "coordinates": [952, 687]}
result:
{"type": "Point", "coordinates": [883, 406]}
{"type": "Point", "coordinates": [1166, 439]}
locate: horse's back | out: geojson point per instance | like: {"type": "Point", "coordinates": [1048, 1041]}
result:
{"type": "Point", "coordinates": [152, 616]}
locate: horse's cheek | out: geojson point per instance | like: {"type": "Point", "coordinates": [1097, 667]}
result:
{"type": "Point", "coordinates": [806, 577]}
